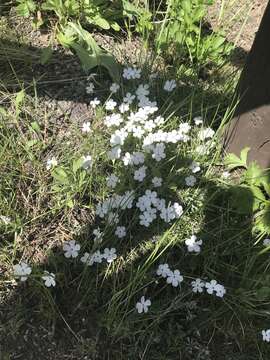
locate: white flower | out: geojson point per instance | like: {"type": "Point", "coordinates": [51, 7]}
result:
{"type": "Point", "coordinates": [94, 103]}
{"type": "Point", "coordinates": [118, 137]}
{"type": "Point", "coordinates": [142, 305]}
{"type": "Point", "coordinates": [49, 279]}
{"type": "Point", "coordinates": [71, 249]}
{"type": "Point", "coordinates": [157, 181]}
{"type": "Point", "coordinates": [110, 104]}
{"type": "Point", "coordinates": [159, 152]}
{"type": "Point", "coordinates": [138, 131]}
{"type": "Point", "coordinates": [90, 88]}
{"type": "Point", "coordinates": [142, 91]}
{"type": "Point", "coordinates": [140, 174]}
{"type": "Point", "coordinates": [123, 108]}
{"type": "Point", "coordinates": [87, 259]}
{"type": "Point", "coordinates": [86, 127]}
{"type": "Point", "coordinates": [129, 98]}
{"type": "Point", "coordinates": [197, 286]}
{"type": "Point", "coordinates": [266, 242]}
{"type": "Point", "coordinates": [112, 181]}
{"type": "Point", "coordinates": [109, 254]}
{"type": "Point", "coordinates": [114, 88]}
{"type": "Point", "coordinates": [171, 212]}
{"type": "Point", "coordinates": [97, 257]}
{"type": "Point", "coordinates": [206, 134]}
{"type": "Point", "coordinates": [51, 163]}
{"type": "Point", "coordinates": [86, 162]}
{"type": "Point", "coordinates": [131, 73]}
{"type": "Point", "coordinates": [194, 167]}
{"type": "Point", "coordinates": [220, 290]}
{"type": "Point", "coordinates": [174, 278]}
{"type": "Point", "coordinates": [22, 271]}
{"type": "Point", "coordinates": [190, 180]}
{"type": "Point", "coordinates": [163, 270]}
{"type": "Point", "coordinates": [193, 244]}
{"type": "Point", "coordinates": [114, 153]}
{"type": "Point", "coordinates": [211, 286]}
{"type": "Point", "coordinates": [198, 120]}
{"type": "Point", "coordinates": [214, 286]}
{"type": "Point", "coordinates": [266, 335]}
{"type": "Point", "coordinates": [113, 120]}
{"type": "Point", "coordinates": [169, 85]}
{"type": "Point", "coordinates": [120, 232]}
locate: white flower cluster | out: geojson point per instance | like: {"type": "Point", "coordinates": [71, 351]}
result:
{"type": "Point", "coordinates": [122, 202]}
{"type": "Point", "coordinates": [22, 271]}
{"type": "Point", "coordinates": [173, 277]}
{"type": "Point", "coordinates": [212, 287]}
{"type": "Point", "coordinates": [131, 73]}
{"type": "Point", "coordinates": [149, 204]}
{"type": "Point", "coordinates": [90, 259]}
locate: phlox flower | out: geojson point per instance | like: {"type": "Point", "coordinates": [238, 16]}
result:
{"type": "Point", "coordinates": [140, 174]}
{"type": "Point", "coordinates": [113, 120]}
{"type": "Point", "coordinates": [87, 162]}
{"type": "Point", "coordinates": [112, 181]}
{"type": "Point", "coordinates": [193, 245]}
{"type": "Point", "coordinates": [213, 286]}
{"type": "Point", "coordinates": [118, 137]}
{"type": "Point", "coordinates": [169, 85]}
{"type": "Point", "coordinates": [90, 88]}
{"type": "Point", "coordinates": [143, 305]}
{"type": "Point", "coordinates": [120, 232]}
{"type": "Point", "coordinates": [94, 103]}
{"type": "Point", "coordinates": [110, 104]}
{"type": "Point", "coordinates": [190, 180]}
{"type": "Point", "coordinates": [175, 278]}
{"type": "Point", "coordinates": [52, 162]}
{"type": "Point", "coordinates": [138, 131]}
{"type": "Point", "coordinates": [97, 235]}
{"type": "Point", "coordinates": [22, 271]}
{"type": "Point", "coordinates": [71, 249]}
{"type": "Point", "coordinates": [163, 270]}
{"type": "Point", "coordinates": [86, 127]}
{"type": "Point", "coordinates": [266, 335]}
{"type": "Point", "coordinates": [197, 286]}
{"type": "Point", "coordinates": [198, 120]}
{"type": "Point", "coordinates": [114, 88]}
{"type": "Point", "coordinates": [159, 152]}
{"type": "Point", "coordinates": [109, 254]}
{"type": "Point", "coordinates": [194, 167]}
{"type": "Point", "coordinates": [114, 153]}
{"type": "Point", "coordinates": [142, 91]}
{"type": "Point", "coordinates": [157, 181]}
{"type": "Point", "coordinates": [207, 133]}
{"type": "Point", "coordinates": [49, 279]}
{"type": "Point", "coordinates": [266, 242]}
{"type": "Point", "coordinates": [131, 73]}
{"type": "Point", "coordinates": [129, 98]}
{"type": "Point", "coordinates": [123, 108]}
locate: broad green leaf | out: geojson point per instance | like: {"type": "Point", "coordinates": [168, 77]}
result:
{"type": "Point", "coordinates": [60, 175]}
{"type": "Point", "coordinates": [232, 161]}
{"type": "Point", "coordinates": [76, 165]}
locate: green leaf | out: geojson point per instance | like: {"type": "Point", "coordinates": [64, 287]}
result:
{"type": "Point", "coordinates": [60, 175]}
{"type": "Point", "coordinates": [25, 8]}
{"type": "Point", "coordinates": [76, 165]}
{"type": "Point", "coordinates": [232, 161]}
{"type": "Point", "coordinates": [101, 22]}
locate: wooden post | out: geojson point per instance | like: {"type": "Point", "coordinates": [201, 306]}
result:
{"type": "Point", "coordinates": [250, 126]}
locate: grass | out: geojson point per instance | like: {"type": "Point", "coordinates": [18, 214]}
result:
{"type": "Point", "coordinates": [91, 311]}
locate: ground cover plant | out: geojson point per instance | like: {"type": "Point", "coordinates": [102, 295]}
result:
{"type": "Point", "coordinates": [124, 233]}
